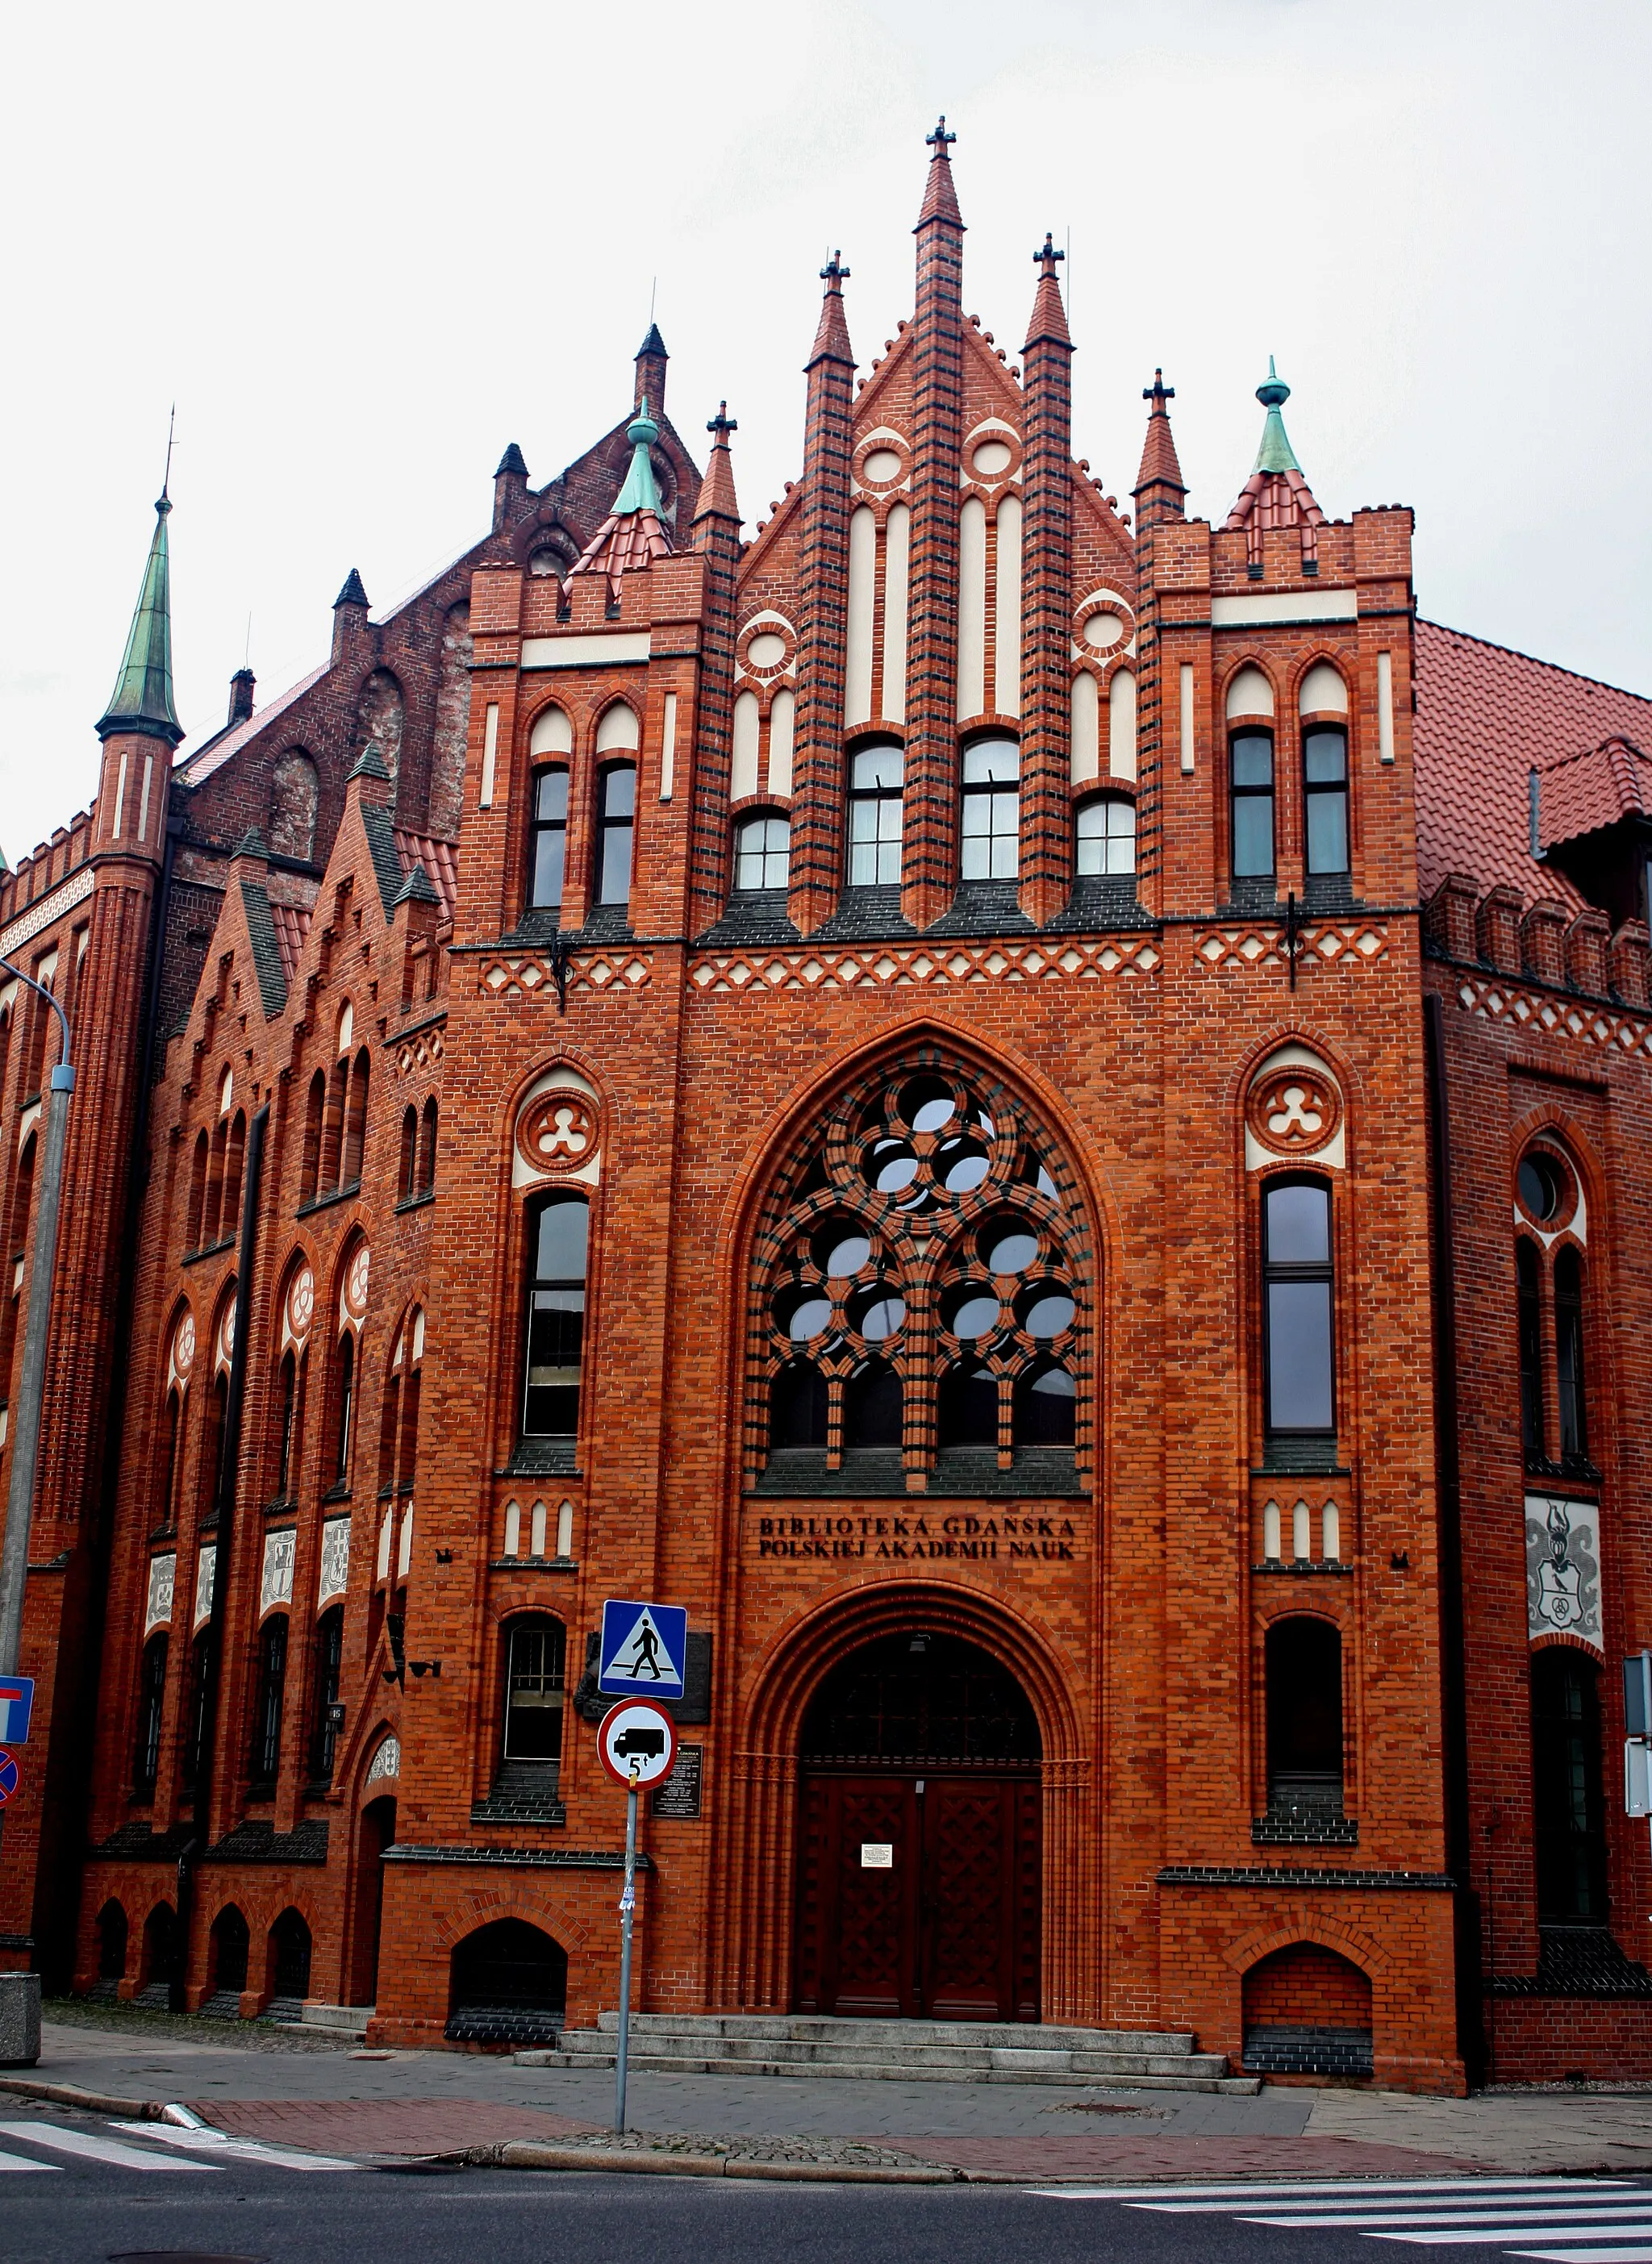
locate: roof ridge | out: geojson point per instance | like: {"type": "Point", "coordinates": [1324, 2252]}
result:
{"type": "Point", "coordinates": [1517, 652]}
{"type": "Point", "coordinates": [1587, 754]}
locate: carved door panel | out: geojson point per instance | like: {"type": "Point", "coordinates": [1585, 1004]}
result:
{"type": "Point", "coordinates": [857, 1950]}
{"type": "Point", "coordinates": [969, 1897]}
{"type": "Point", "coordinates": [948, 1928]}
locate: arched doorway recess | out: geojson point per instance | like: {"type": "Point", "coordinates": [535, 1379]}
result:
{"type": "Point", "coordinates": [920, 1836]}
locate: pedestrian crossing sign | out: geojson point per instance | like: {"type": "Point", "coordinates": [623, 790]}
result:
{"type": "Point", "coordinates": [643, 1650]}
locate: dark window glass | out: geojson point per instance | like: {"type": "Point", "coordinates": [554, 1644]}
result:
{"type": "Point", "coordinates": [1566, 1777]}
{"type": "Point", "coordinates": [872, 1406]}
{"type": "Point", "coordinates": [762, 852]}
{"type": "Point", "coordinates": [266, 1722]}
{"type": "Point", "coordinates": [1530, 1312]}
{"type": "Point", "coordinates": [798, 1407]}
{"type": "Point", "coordinates": [329, 1670]}
{"type": "Point", "coordinates": [1251, 755]}
{"type": "Point", "coordinates": [1107, 835]}
{"type": "Point", "coordinates": [1325, 778]}
{"type": "Point", "coordinates": [555, 1318]}
{"type": "Point", "coordinates": [614, 827]}
{"type": "Point", "coordinates": [991, 829]}
{"type": "Point", "coordinates": [1046, 1408]}
{"type": "Point", "coordinates": [966, 1409]}
{"type": "Point", "coordinates": [288, 1421]}
{"type": "Point", "coordinates": [1569, 1356]}
{"type": "Point", "coordinates": [1305, 1713]}
{"type": "Point", "coordinates": [199, 1698]}
{"type": "Point", "coordinates": [1542, 1185]}
{"type": "Point", "coordinates": [875, 800]}
{"type": "Point", "coordinates": [1297, 1306]}
{"type": "Point", "coordinates": [151, 1704]}
{"type": "Point", "coordinates": [533, 1691]}
{"type": "Point", "coordinates": [347, 1406]}
{"type": "Point", "coordinates": [548, 840]}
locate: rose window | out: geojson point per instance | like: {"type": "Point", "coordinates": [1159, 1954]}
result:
{"type": "Point", "coordinates": [918, 1291]}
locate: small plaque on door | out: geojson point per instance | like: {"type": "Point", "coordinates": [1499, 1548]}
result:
{"type": "Point", "coordinates": [877, 1856]}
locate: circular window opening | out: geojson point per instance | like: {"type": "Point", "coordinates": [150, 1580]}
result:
{"type": "Point", "coordinates": [1544, 1185]}
{"type": "Point", "coordinates": [1102, 629]}
{"type": "Point", "coordinates": [766, 649]}
{"type": "Point", "coordinates": [992, 458]}
{"type": "Point", "coordinates": [844, 1253]}
{"type": "Point", "coordinates": [876, 1316]}
{"type": "Point", "coordinates": [961, 1165]}
{"type": "Point", "coordinates": [891, 1166]}
{"type": "Point", "coordinates": [927, 1104]}
{"type": "Point", "coordinates": [971, 1313]}
{"type": "Point", "coordinates": [1006, 1246]}
{"type": "Point", "coordinates": [882, 465]}
{"type": "Point", "coordinates": [1045, 1313]}
{"type": "Point", "coordinates": [802, 1314]}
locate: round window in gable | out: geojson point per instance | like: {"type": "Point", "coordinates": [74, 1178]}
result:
{"type": "Point", "coordinates": [1545, 1187]}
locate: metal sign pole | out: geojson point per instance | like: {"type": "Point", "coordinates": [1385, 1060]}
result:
{"type": "Point", "coordinates": [628, 1909]}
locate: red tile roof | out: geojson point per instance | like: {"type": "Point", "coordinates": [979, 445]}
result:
{"type": "Point", "coordinates": [440, 861]}
{"type": "Point", "coordinates": [291, 926]}
{"type": "Point", "coordinates": [1486, 718]}
{"type": "Point", "coordinates": [1581, 792]}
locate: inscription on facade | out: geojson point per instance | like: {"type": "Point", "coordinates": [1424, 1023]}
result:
{"type": "Point", "coordinates": [923, 1537]}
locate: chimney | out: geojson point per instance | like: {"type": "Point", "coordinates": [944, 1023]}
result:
{"type": "Point", "coordinates": [241, 688]}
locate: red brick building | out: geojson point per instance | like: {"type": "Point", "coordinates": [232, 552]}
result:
{"type": "Point", "coordinates": [1038, 1118]}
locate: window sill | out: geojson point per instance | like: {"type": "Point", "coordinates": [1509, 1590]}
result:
{"type": "Point", "coordinates": [543, 1458]}
{"type": "Point", "coordinates": [209, 1250]}
{"type": "Point", "coordinates": [416, 1202]}
{"type": "Point", "coordinates": [523, 1792]}
{"type": "Point", "coordinates": [1302, 1827]}
{"type": "Point", "coordinates": [1300, 1567]}
{"type": "Point", "coordinates": [1572, 1469]}
{"type": "Point", "coordinates": [534, 1564]}
{"type": "Point", "coordinates": [1303, 1453]}
{"type": "Point", "coordinates": [339, 1492]}
{"type": "Point", "coordinates": [325, 1202]}
{"type": "Point", "coordinates": [281, 1506]}
{"type": "Point", "coordinates": [960, 1473]}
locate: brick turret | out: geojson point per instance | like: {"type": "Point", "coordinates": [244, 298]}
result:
{"type": "Point", "coordinates": [1046, 739]}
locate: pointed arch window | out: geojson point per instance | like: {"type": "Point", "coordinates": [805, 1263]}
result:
{"type": "Point", "coordinates": [990, 834]}
{"type": "Point", "coordinates": [1569, 1359]}
{"type": "Point", "coordinates": [1298, 1364]}
{"type": "Point", "coordinates": [326, 1710]}
{"type": "Point", "coordinates": [151, 1713]}
{"type": "Point", "coordinates": [270, 1702]}
{"type": "Point", "coordinates": [548, 839]}
{"type": "Point", "coordinates": [1250, 755]}
{"type": "Point", "coordinates": [1325, 795]}
{"type": "Point", "coordinates": [344, 1409]}
{"type": "Point", "coordinates": [616, 823]}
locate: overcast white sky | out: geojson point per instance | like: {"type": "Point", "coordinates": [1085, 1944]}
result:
{"type": "Point", "coordinates": [364, 246]}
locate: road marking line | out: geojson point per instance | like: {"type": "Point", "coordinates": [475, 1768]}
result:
{"type": "Point", "coordinates": [202, 2138]}
{"type": "Point", "coordinates": [22, 2162]}
{"type": "Point", "coordinates": [1558, 2229]}
{"type": "Point", "coordinates": [1537, 2217]}
{"type": "Point", "coordinates": [95, 2150]}
{"type": "Point", "coordinates": [1588, 2255]}
{"type": "Point", "coordinates": [1215, 2197]}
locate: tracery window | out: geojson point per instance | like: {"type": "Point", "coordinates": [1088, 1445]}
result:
{"type": "Point", "coordinates": [920, 1288]}
{"type": "Point", "coordinates": [1550, 1291]}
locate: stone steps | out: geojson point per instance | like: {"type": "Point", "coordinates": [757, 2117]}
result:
{"type": "Point", "coordinates": [908, 2051]}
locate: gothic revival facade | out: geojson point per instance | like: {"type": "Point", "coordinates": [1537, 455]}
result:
{"type": "Point", "coordinates": [1040, 1118]}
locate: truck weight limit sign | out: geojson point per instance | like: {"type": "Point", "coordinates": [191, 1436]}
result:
{"type": "Point", "coordinates": [638, 1742]}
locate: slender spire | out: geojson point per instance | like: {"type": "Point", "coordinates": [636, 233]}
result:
{"type": "Point", "coordinates": [1275, 454]}
{"type": "Point", "coordinates": [1276, 495]}
{"type": "Point", "coordinates": [651, 359]}
{"type": "Point", "coordinates": [631, 536]}
{"type": "Point", "coordinates": [940, 198]}
{"type": "Point", "coordinates": [352, 594]}
{"type": "Point", "coordinates": [832, 337]}
{"type": "Point", "coordinates": [142, 697]}
{"type": "Point", "coordinates": [1048, 316]}
{"type": "Point", "coordinates": [716, 489]}
{"type": "Point", "coordinates": [1161, 467]}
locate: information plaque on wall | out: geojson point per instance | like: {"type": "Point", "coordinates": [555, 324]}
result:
{"type": "Point", "coordinates": [680, 1794]}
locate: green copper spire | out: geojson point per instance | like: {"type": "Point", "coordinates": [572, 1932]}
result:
{"type": "Point", "coordinates": [640, 492]}
{"type": "Point", "coordinates": [142, 699]}
{"type": "Point", "coordinates": [1275, 454]}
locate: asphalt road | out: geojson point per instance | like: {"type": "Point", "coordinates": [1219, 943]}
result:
{"type": "Point", "coordinates": [76, 2189]}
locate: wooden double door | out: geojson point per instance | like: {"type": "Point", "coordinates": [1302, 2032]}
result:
{"type": "Point", "coordinates": [919, 1894]}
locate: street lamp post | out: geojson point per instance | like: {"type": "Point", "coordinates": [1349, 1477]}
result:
{"type": "Point", "coordinates": [26, 1430]}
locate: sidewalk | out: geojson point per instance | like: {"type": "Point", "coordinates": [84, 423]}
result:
{"type": "Point", "coordinates": [313, 2092]}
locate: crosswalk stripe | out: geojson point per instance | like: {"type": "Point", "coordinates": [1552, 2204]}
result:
{"type": "Point", "coordinates": [1559, 2227]}
{"type": "Point", "coordinates": [1588, 2255]}
{"type": "Point", "coordinates": [22, 2162]}
{"type": "Point", "coordinates": [1186, 2199]}
{"type": "Point", "coordinates": [1536, 2214]}
{"type": "Point", "coordinates": [206, 2140]}
{"type": "Point", "coordinates": [81, 2144]}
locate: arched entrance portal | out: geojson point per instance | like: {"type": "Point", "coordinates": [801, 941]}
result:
{"type": "Point", "coordinates": [918, 1837]}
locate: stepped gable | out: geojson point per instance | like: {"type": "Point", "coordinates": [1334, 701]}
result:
{"type": "Point", "coordinates": [1488, 716]}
